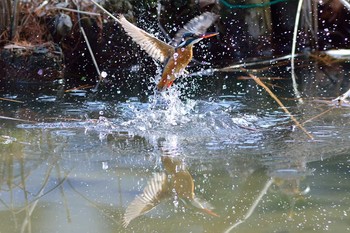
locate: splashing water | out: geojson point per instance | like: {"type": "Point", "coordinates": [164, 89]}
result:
{"type": "Point", "coordinates": [164, 109]}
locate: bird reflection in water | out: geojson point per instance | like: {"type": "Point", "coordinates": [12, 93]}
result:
{"type": "Point", "coordinates": [174, 182]}
{"type": "Point", "coordinates": [287, 181]}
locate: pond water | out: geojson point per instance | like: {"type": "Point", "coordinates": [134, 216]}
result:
{"type": "Point", "coordinates": [95, 166]}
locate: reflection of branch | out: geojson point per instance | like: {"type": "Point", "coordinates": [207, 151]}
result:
{"type": "Point", "coordinates": [9, 182]}
{"type": "Point", "coordinates": [63, 194]}
{"type": "Point", "coordinates": [253, 206]}
{"type": "Point", "coordinates": [92, 203]}
{"type": "Point", "coordinates": [26, 223]}
{"type": "Point", "coordinates": [30, 206]}
{"type": "Point", "coordinates": [41, 193]}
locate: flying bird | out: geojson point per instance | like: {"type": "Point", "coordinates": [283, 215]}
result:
{"type": "Point", "coordinates": [176, 55]}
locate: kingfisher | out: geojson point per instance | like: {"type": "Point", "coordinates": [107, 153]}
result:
{"type": "Point", "coordinates": [176, 55]}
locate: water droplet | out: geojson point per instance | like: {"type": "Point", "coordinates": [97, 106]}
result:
{"type": "Point", "coordinates": [103, 74]}
{"type": "Point", "coordinates": [105, 165]}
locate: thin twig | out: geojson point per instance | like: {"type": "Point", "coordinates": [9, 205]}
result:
{"type": "Point", "coordinates": [87, 86]}
{"type": "Point", "coordinates": [159, 7]}
{"type": "Point", "coordinates": [11, 100]}
{"type": "Point", "coordinates": [260, 83]}
{"type": "Point", "coordinates": [90, 50]}
{"type": "Point", "coordinates": [263, 62]}
{"type": "Point", "coordinates": [16, 119]}
{"type": "Point", "coordinates": [76, 11]}
{"type": "Point", "coordinates": [295, 33]}
{"type": "Point", "coordinates": [104, 10]}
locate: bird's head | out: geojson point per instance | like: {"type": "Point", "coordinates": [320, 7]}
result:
{"type": "Point", "coordinates": [190, 38]}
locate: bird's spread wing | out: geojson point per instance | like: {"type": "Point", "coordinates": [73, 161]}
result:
{"type": "Point", "coordinates": [156, 48]}
{"type": "Point", "coordinates": [197, 25]}
{"type": "Point", "coordinates": [155, 191]}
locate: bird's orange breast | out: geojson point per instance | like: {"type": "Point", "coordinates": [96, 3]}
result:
{"type": "Point", "coordinates": [175, 66]}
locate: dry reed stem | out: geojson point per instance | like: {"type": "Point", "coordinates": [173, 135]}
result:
{"type": "Point", "coordinates": [11, 100]}
{"type": "Point", "coordinates": [82, 87]}
{"type": "Point", "coordinates": [294, 42]}
{"type": "Point", "coordinates": [260, 83]}
{"type": "Point", "coordinates": [77, 11]}
{"type": "Point", "coordinates": [16, 119]}
{"type": "Point", "coordinates": [275, 62]}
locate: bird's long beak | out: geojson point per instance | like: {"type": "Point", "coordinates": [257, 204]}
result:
{"type": "Point", "coordinates": [207, 35]}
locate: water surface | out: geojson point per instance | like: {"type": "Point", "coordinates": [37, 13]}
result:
{"type": "Point", "coordinates": [76, 166]}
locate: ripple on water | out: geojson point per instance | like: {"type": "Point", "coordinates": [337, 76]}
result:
{"type": "Point", "coordinates": [216, 124]}
{"type": "Point", "coordinates": [63, 132]}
